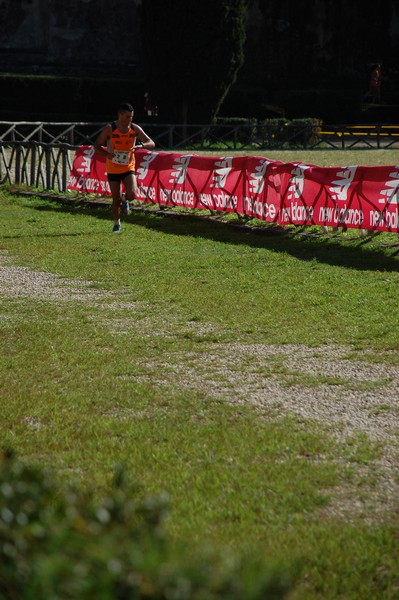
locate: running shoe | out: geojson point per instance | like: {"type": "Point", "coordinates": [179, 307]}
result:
{"type": "Point", "coordinates": [117, 228]}
{"type": "Point", "coordinates": [125, 208]}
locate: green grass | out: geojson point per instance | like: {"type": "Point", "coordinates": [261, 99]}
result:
{"type": "Point", "coordinates": [327, 157]}
{"type": "Point", "coordinates": [90, 383]}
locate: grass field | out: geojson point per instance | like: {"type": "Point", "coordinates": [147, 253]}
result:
{"type": "Point", "coordinates": [253, 377]}
{"type": "Point", "coordinates": [328, 157]}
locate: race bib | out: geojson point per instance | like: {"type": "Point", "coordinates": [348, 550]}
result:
{"type": "Point", "coordinates": [121, 157]}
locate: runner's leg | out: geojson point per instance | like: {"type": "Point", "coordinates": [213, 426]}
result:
{"type": "Point", "coordinates": [115, 188]}
{"type": "Point", "coordinates": [130, 183]}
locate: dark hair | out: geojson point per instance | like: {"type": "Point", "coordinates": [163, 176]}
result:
{"type": "Point", "coordinates": [125, 106]}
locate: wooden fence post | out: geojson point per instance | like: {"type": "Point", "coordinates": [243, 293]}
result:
{"type": "Point", "coordinates": [33, 165]}
{"type": "Point", "coordinates": [64, 169]}
{"type": "Point", "coordinates": [48, 167]}
{"type": "Point", "coordinates": [17, 174]}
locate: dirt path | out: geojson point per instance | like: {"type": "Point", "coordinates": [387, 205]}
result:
{"type": "Point", "coordinates": [349, 397]}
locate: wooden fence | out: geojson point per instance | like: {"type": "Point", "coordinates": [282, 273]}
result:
{"type": "Point", "coordinates": [36, 165]}
{"type": "Point", "coordinates": [40, 154]}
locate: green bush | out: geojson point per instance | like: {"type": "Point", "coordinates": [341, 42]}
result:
{"type": "Point", "coordinates": [244, 129]}
{"type": "Point", "coordinates": [57, 543]}
{"type": "Point", "coordinates": [273, 133]}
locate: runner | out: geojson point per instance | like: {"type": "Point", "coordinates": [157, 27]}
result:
{"type": "Point", "coordinates": [120, 139]}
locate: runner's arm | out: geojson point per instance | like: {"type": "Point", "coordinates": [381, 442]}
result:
{"type": "Point", "coordinates": [101, 141]}
{"type": "Point", "coordinates": [147, 142]}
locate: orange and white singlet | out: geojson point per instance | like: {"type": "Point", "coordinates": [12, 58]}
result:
{"type": "Point", "coordinates": [122, 145]}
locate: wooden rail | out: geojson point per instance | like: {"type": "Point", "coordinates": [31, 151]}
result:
{"type": "Point", "coordinates": [366, 136]}
{"type": "Point", "coordinates": [257, 135]}
{"type": "Point", "coordinates": [36, 165]}
{"type": "Point", "coordinates": [41, 154]}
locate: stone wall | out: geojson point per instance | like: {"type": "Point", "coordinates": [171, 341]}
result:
{"type": "Point", "coordinates": [72, 37]}
{"type": "Point", "coordinates": [302, 58]}
{"type": "Point", "coordinates": [306, 41]}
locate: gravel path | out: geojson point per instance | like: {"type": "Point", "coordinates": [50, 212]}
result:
{"type": "Point", "coordinates": [322, 384]}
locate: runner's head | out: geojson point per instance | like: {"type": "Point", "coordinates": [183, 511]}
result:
{"type": "Point", "coordinates": [125, 113]}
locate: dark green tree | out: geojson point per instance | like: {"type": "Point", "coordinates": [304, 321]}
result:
{"type": "Point", "coordinates": [192, 51]}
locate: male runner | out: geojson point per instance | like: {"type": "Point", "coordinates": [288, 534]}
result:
{"type": "Point", "coordinates": [120, 139]}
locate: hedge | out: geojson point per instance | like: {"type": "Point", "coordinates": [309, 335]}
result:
{"type": "Point", "coordinates": [59, 543]}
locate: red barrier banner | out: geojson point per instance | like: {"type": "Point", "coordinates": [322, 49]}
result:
{"type": "Point", "coordinates": [192, 182]}
{"type": "Point", "coordinates": [273, 191]}
{"type": "Point", "coordinates": [354, 197]}
{"type": "Point", "coordinates": [88, 172]}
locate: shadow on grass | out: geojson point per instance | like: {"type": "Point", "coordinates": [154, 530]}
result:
{"type": "Point", "coordinates": [351, 251]}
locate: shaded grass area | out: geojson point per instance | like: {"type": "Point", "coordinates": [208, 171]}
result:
{"type": "Point", "coordinates": [79, 394]}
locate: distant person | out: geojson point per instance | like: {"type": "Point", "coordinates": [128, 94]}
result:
{"type": "Point", "coordinates": [120, 138]}
{"type": "Point", "coordinates": [149, 108]}
{"type": "Point", "coordinates": [375, 84]}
